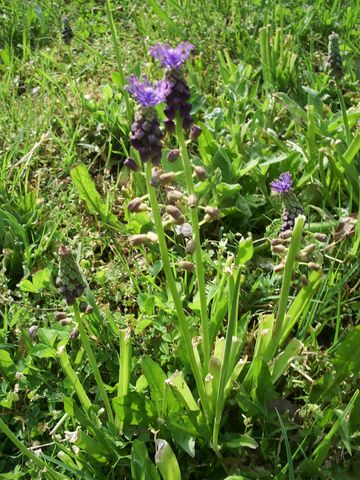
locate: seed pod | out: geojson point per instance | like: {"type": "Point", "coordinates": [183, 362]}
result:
{"type": "Point", "coordinates": [173, 155]}
{"type": "Point", "coordinates": [166, 178]}
{"type": "Point", "coordinates": [195, 132]}
{"type": "Point", "coordinates": [192, 200]}
{"type": "Point", "coordinates": [139, 239]}
{"type": "Point", "coordinates": [131, 164]}
{"type": "Point", "coordinates": [201, 173]}
{"type": "Point", "coordinates": [188, 266]}
{"type": "Point", "coordinates": [174, 212]}
{"type": "Point", "coordinates": [314, 266]}
{"type": "Point", "coordinates": [190, 246]}
{"type": "Point", "coordinates": [320, 237]}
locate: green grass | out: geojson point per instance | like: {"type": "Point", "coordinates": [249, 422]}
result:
{"type": "Point", "coordinates": [134, 395]}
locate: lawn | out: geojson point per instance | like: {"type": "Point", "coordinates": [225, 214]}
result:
{"type": "Point", "coordinates": [179, 240]}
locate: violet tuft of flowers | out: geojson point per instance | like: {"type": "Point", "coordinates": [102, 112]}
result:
{"type": "Point", "coordinates": [146, 136]}
{"type": "Point", "coordinates": [283, 186]}
{"type": "Point", "coordinates": [177, 91]}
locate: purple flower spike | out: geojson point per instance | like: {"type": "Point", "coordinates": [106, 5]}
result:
{"type": "Point", "coordinates": [283, 184]}
{"type": "Point", "coordinates": [144, 92]}
{"type": "Point", "coordinates": [171, 57]}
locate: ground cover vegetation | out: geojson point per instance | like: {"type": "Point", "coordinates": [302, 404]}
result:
{"type": "Point", "coordinates": [179, 239]}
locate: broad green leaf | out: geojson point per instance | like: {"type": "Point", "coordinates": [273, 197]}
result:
{"type": "Point", "coordinates": [135, 409]}
{"type": "Point", "coordinates": [27, 286]}
{"type": "Point", "coordinates": [242, 441]}
{"type": "Point", "coordinates": [245, 251]}
{"type": "Point", "coordinates": [87, 192]}
{"type": "Point", "coordinates": [142, 467]}
{"type": "Point", "coordinates": [43, 351]}
{"type": "Point", "coordinates": [166, 461]}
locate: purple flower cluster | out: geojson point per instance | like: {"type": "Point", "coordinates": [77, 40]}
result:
{"type": "Point", "coordinates": [177, 90]}
{"type": "Point", "coordinates": [145, 134]}
{"type": "Point", "coordinates": [171, 57]}
{"type": "Point", "coordinates": [283, 184]}
{"type": "Point", "coordinates": [292, 208]}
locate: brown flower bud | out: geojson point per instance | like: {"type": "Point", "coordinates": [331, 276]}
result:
{"type": "Point", "coordinates": [277, 241]}
{"type": "Point", "coordinates": [166, 178]}
{"type": "Point", "coordinates": [279, 268]}
{"type": "Point", "coordinates": [279, 249]}
{"type": "Point", "coordinates": [188, 266]}
{"type": "Point", "coordinates": [173, 155]}
{"type": "Point", "coordinates": [174, 195]}
{"type": "Point", "coordinates": [195, 132]}
{"type": "Point", "coordinates": [73, 335]}
{"type": "Point", "coordinates": [286, 234]}
{"type": "Point", "coordinates": [213, 212]}
{"type": "Point", "coordinates": [174, 212]}
{"type": "Point", "coordinates": [131, 164]}
{"type": "Point", "coordinates": [60, 315]}
{"type": "Point", "coordinates": [308, 249]}
{"type": "Point", "coordinates": [192, 200]}
{"type": "Point", "coordinates": [201, 173]}
{"type": "Point", "coordinates": [190, 246]}
{"type": "Point", "coordinates": [320, 237]}
{"type": "Point", "coordinates": [314, 266]}
{"type": "Point", "coordinates": [135, 204]}
{"type": "Point", "coordinates": [139, 239]}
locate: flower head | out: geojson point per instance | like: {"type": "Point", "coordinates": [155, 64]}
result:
{"type": "Point", "coordinates": [144, 92]}
{"type": "Point", "coordinates": [171, 57]}
{"type": "Point", "coordinates": [283, 184]}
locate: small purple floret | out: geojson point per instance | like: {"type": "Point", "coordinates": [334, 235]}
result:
{"type": "Point", "coordinates": [171, 57]}
{"type": "Point", "coordinates": [144, 92]}
{"type": "Point", "coordinates": [283, 184]}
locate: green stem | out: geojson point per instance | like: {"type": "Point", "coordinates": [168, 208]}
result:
{"type": "Point", "coordinates": [73, 378]}
{"type": "Point", "coordinates": [294, 248]}
{"type": "Point", "coordinates": [50, 472]}
{"type": "Point", "coordinates": [230, 332]}
{"type": "Point", "coordinates": [124, 368]}
{"type": "Point", "coordinates": [200, 273]}
{"type": "Point", "coordinates": [184, 327]}
{"type": "Point", "coordinates": [92, 361]}
{"type": "Point", "coordinates": [344, 114]}
{"type": "Point", "coordinates": [119, 60]}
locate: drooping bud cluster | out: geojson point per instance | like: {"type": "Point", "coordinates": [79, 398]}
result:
{"type": "Point", "coordinates": [334, 63]}
{"type": "Point", "coordinates": [283, 186]}
{"type": "Point", "coordinates": [177, 90]}
{"type": "Point", "coordinates": [69, 281]}
{"type": "Point", "coordinates": [146, 135]}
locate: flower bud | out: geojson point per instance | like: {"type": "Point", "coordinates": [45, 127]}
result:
{"type": "Point", "coordinates": [174, 212]}
{"type": "Point", "coordinates": [60, 315]}
{"type": "Point", "coordinates": [192, 200]}
{"type": "Point", "coordinates": [166, 178]}
{"type": "Point", "coordinates": [188, 266]}
{"type": "Point", "coordinates": [33, 332]}
{"type": "Point", "coordinates": [131, 164]}
{"type": "Point", "coordinates": [69, 281]}
{"type": "Point", "coordinates": [201, 173]}
{"type": "Point", "coordinates": [314, 266]}
{"type": "Point", "coordinates": [285, 234]}
{"type": "Point", "coordinates": [135, 205]}
{"type": "Point", "coordinates": [212, 212]}
{"type": "Point", "coordinates": [320, 237]}
{"type": "Point", "coordinates": [152, 237]}
{"type": "Point", "coordinates": [277, 241]}
{"type": "Point", "coordinates": [190, 246]}
{"type": "Point", "coordinates": [279, 249]}
{"type": "Point", "coordinates": [65, 321]}
{"type": "Point", "coordinates": [279, 268]}
{"type": "Point", "coordinates": [195, 132]}
{"type": "Point", "coordinates": [309, 249]}
{"type": "Point", "coordinates": [173, 155]}
{"type": "Point", "coordinates": [139, 239]}
{"type": "Point", "coordinates": [174, 195]}
{"type": "Point", "coordinates": [73, 335]}
{"type": "Point", "coordinates": [155, 178]}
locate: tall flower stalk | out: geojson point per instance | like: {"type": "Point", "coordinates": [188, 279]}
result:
{"type": "Point", "coordinates": [177, 111]}
{"type": "Point", "coordinates": [144, 128]}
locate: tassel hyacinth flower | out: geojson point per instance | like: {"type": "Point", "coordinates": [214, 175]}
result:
{"type": "Point", "coordinates": [146, 136]}
{"type": "Point", "coordinates": [334, 62]}
{"type": "Point", "coordinates": [69, 281]}
{"type": "Point", "coordinates": [283, 186]}
{"type": "Point", "coordinates": [177, 90]}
